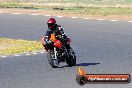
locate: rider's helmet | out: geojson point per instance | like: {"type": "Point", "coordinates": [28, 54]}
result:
{"type": "Point", "coordinates": [51, 23]}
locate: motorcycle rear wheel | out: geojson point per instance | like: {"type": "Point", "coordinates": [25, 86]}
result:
{"type": "Point", "coordinates": [71, 60]}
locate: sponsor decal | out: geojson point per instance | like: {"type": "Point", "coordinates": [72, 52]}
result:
{"type": "Point", "coordinates": [83, 78]}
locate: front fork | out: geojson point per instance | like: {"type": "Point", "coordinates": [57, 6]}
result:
{"type": "Point", "coordinates": [55, 51]}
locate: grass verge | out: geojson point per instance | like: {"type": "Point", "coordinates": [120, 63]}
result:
{"type": "Point", "coordinates": [12, 46]}
{"type": "Point", "coordinates": [72, 9]}
{"type": "Point", "coordinates": [101, 10]}
{"type": "Point", "coordinates": [21, 5]}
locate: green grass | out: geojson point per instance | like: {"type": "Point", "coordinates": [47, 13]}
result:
{"type": "Point", "coordinates": [20, 5]}
{"type": "Point", "coordinates": [74, 9]}
{"type": "Point", "coordinates": [101, 10]}
{"type": "Point", "coordinates": [12, 46]}
{"type": "Point", "coordinates": [76, 1]}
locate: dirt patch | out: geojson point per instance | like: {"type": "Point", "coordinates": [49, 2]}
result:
{"type": "Point", "coordinates": [58, 13]}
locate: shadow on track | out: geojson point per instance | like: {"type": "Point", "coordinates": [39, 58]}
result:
{"type": "Point", "coordinates": [81, 64]}
{"type": "Point", "coordinates": [86, 64]}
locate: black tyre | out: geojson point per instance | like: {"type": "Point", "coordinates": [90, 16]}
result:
{"type": "Point", "coordinates": [71, 60]}
{"type": "Point", "coordinates": [53, 62]}
{"type": "Point", "coordinates": [81, 80]}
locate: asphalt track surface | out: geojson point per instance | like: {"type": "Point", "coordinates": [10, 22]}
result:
{"type": "Point", "coordinates": [100, 47]}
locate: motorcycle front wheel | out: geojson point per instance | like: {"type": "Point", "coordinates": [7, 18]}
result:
{"type": "Point", "coordinates": [51, 59]}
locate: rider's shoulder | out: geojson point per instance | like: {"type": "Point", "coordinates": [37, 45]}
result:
{"type": "Point", "coordinates": [48, 31]}
{"type": "Point", "coordinates": [59, 27]}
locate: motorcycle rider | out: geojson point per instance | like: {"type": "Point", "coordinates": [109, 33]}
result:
{"type": "Point", "coordinates": [59, 33]}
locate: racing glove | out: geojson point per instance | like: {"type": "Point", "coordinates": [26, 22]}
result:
{"type": "Point", "coordinates": [50, 42]}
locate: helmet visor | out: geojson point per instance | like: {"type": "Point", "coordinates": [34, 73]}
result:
{"type": "Point", "coordinates": [50, 25]}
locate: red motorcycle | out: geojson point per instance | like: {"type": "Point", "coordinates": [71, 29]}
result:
{"type": "Point", "coordinates": [57, 53]}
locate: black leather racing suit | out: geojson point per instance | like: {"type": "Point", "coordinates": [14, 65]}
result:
{"type": "Point", "coordinates": [60, 35]}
